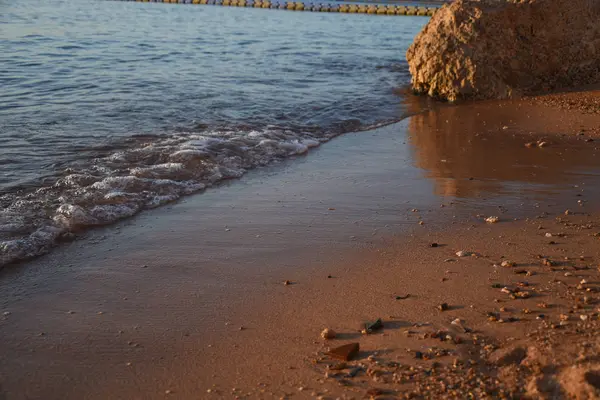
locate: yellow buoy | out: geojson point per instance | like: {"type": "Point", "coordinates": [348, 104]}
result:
{"type": "Point", "coordinates": [353, 9]}
{"type": "Point", "coordinates": [344, 8]}
{"type": "Point", "coordinates": [266, 4]}
{"type": "Point", "coordinates": [362, 9]}
{"type": "Point", "coordinates": [299, 6]}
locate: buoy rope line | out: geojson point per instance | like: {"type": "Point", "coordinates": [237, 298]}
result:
{"type": "Point", "coordinates": [376, 9]}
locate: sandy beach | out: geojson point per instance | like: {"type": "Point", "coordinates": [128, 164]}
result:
{"type": "Point", "coordinates": [190, 301]}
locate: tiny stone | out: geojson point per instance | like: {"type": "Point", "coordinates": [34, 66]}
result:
{"type": "Point", "coordinates": [443, 307]}
{"type": "Point", "coordinates": [328, 334]}
{"type": "Point", "coordinates": [286, 282]}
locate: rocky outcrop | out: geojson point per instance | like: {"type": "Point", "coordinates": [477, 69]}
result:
{"type": "Point", "coordinates": [506, 48]}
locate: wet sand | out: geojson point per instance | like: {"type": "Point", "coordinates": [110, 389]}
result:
{"type": "Point", "coordinates": [188, 301]}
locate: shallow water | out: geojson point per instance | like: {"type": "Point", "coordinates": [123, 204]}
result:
{"type": "Point", "coordinates": [109, 108]}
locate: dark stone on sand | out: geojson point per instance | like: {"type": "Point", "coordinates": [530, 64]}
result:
{"type": "Point", "coordinates": [434, 245]}
{"type": "Point", "coordinates": [345, 352]}
{"type": "Point", "coordinates": [374, 326]}
{"type": "Point", "coordinates": [444, 307]}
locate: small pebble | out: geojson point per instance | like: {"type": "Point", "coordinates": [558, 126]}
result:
{"type": "Point", "coordinates": [328, 334]}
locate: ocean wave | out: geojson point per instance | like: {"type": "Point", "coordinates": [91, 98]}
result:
{"type": "Point", "coordinates": [141, 177]}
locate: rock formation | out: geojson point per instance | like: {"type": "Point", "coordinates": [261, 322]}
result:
{"type": "Point", "coordinates": [482, 49]}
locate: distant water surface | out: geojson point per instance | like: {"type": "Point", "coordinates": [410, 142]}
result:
{"type": "Point", "coordinates": [108, 108]}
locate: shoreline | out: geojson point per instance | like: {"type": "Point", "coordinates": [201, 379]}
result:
{"type": "Point", "coordinates": [170, 306]}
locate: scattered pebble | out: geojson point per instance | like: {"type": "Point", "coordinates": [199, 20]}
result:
{"type": "Point", "coordinates": [492, 220]}
{"type": "Point", "coordinates": [328, 334]}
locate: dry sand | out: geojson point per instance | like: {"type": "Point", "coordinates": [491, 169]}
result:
{"type": "Point", "coordinates": [189, 302]}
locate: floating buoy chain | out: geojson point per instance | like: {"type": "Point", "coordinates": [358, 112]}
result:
{"type": "Point", "coordinates": [378, 9]}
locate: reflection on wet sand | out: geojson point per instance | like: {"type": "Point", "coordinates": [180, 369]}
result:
{"type": "Point", "coordinates": [479, 149]}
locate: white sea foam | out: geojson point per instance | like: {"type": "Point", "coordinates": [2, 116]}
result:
{"type": "Point", "coordinates": [141, 177]}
